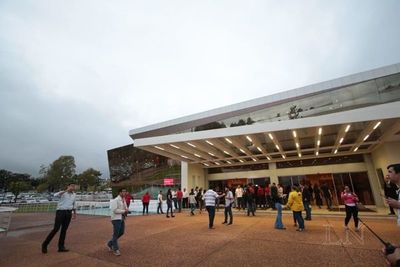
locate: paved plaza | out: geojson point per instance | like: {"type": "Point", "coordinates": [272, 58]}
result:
{"type": "Point", "coordinates": [186, 240]}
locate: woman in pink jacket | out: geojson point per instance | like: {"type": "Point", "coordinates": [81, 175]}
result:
{"type": "Point", "coordinates": [350, 199]}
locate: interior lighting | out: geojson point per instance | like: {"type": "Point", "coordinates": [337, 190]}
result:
{"type": "Point", "coordinates": [376, 125]}
{"type": "Point", "coordinates": [249, 138]}
{"type": "Point", "coordinates": [228, 140]}
{"type": "Point", "coordinates": [190, 144]}
{"type": "Point", "coordinates": [208, 142]}
{"type": "Point", "coordinates": [347, 128]}
{"type": "Point", "coordinates": [160, 148]}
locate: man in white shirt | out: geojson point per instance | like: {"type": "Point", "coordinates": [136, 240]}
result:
{"type": "Point", "coordinates": [239, 197]}
{"type": "Point", "coordinates": [119, 211]}
{"type": "Point", "coordinates": [185, 198]}
{"type": "Point", "coordinates": [209, 198]}
{"type": "Point", "coordinates": [228, 206]}
{"type": "Point", "coordinates": [65, 207]}
{"type": "Point", "coordinates": [159, 201]}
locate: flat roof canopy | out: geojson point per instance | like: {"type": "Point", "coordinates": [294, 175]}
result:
{"type": "Point", "coordinates": [344, 133]}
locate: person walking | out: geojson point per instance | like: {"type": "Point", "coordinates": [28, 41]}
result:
{"type": "Point", "coordinates": [185, 198]}
{"type": "Point", "coordinates": [119, 211]}
{"type": "Point", "coordinates": [128, 200]}
{"type": "Point", "coordinates": [228, 206]}
{"type": "Point", "coordinates": [179, 197]}
{"type": "Point", "coordinates": [251, 200]}
{"type": "Point", "coordinates": [295, 203]}
{"type": "Point", "coordinates": [66, 210]}
{"type": "Point", "coordinates": [159, 203]}
{"type": "Point", "coordinates": [210, 198]}
{"type": "Point", "coordinates": [307, 202]}
{"type": "Point", "coordinates": [146, 202]}
{"type": "Point", "coordinates": [317, 194]}
{"type": "Point", "coordinates": [350, 200]}
{"type": "Point", "coordinates": [327, 195]}
{"type": "Point", "coordinates": [192, 201]}
{"type": "Point", "coordinates": [169, 203]}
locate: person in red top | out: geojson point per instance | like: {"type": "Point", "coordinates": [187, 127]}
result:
{"type": "Point", "coordinates": [261, 197]}
{"type": "Point", "coordinates": [179, 196]}
{"type": "Point", "coordinates": [146, 201]}
{"type": "Point", "coordinates": [128, 199]}
{"type": "Point", "coordinates": [350, 200]}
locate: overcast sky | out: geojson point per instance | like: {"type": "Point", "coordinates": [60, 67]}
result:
{"type": "Point", "coordinates": [76, 76]}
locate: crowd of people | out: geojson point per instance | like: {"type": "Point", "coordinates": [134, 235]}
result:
{"type": "Point", "coordinates": [247, 198]}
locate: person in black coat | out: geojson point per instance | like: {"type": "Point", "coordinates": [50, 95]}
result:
{"type": "Point", "coordinates": [390, 191]}
{"type": "Point", "coordinates": [306, 202]}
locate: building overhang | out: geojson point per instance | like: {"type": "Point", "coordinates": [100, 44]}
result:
{"type": "Point", "coordinates": [356, 131]}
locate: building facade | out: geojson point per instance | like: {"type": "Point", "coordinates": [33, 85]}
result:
{"type": "Point", "coordinates": [343, 131]}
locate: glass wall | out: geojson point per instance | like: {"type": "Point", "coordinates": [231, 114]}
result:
{"type": "Point", "coordinates": [357, 181]}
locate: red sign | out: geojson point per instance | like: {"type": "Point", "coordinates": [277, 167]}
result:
{"type": "Point", "coordinates": [168, 181]}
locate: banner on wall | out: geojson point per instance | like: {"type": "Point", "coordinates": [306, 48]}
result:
{"type": "Point", "coordinates": [168, 181]}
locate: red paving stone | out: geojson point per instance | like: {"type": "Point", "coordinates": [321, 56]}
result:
{"type": "Point", "coordinates": [186, 241]}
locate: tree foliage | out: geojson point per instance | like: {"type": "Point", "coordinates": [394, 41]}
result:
{"type": "Point", "coordinates": [18, 186]}
{"type": "Point", "coordinates": [60, 172]}
{"type": "Point", "coordinates": [89, 177]}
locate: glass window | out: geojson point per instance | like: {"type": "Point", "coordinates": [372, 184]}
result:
{"type": "Point", "coordinates": [362, 187]}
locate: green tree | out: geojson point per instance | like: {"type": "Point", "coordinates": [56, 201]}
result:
{"type": "Point", "coordinates": [16, 187]}
{"type": "Point", "coordinates": [5, 178]}
{"type": "Point", "coordinates": [89, 177]}
{"type": "Point", "coordinates": [60, 172]}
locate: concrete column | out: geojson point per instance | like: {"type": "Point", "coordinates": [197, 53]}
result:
{"type": "Point", "coordinates": [373, 180]}
{"type": "Point", "coordinates": [273, 174]}
{"type": "Point", "coordinates": [184, 175]}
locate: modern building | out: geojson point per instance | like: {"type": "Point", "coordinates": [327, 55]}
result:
{"type": "Point", "coordinates": [342, 131]}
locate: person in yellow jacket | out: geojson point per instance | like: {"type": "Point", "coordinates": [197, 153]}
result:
{"type": "Point", "coordinates": [295, 203]}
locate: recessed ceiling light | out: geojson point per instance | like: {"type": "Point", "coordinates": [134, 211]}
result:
{"type": "Point", "coordinates": [317, 153]}
{"type": "Point", "coordinates": [228, 140]}
{"type": "Point", "coordinates": [209, 153]}
{"type": "Point", "coordinates": [341, 140]}
{"type": "Point", "coordinates": [268, 158]}
{"type": "Point", "coordinates": [206, 164]}
{"type": "Point", "coordinates": [174, 146]}
{"type": "Point", "coordinates": [335, 151]}
{"type": "Point", "coordinates": [259, 149]}
{"type": "Point", "coordinates": [297, 145]}
{"type": "Point", "coordinates": [319, 131]}
{"type": "Point", "coordinates": [249, 138]}
{"type": "Point", "coordinates": [254, 159]}
{"type": "Point", "coordinates": [347, 128]}
{"type": "Point", "coordinates": [190, 144]}
{"type": "Point", "coordinates": [366, 137]}
{"type": "Point", "coordinates": [241, 160]}
{"type": "Point", "coordinates": [283, 156]}
{"type": "Point", "coordinates": [229, 162]}
{"type": "Point", "coordinates": [355, 149]}
{"type": "Point", "coordinates": [294, 134]}
{"type": "Point", "coordinates": [241, 150]}
{"type": "Point", "coordinates": [160, 148]}
{"type": "Point", "coordinates": [226, 152]}
{"type": "Point", "coordinates": [377, 124]}
{"type": "Point", "coordinates": [270, 136]}
{"type": "Point", "coordinates": [197, 155]}
{"type": "Point", "coordinates": [217, 163]}
{"type": "Point", "coordinates": [208, 142]}
{"type": "Point", "coordinates": [277, 147]}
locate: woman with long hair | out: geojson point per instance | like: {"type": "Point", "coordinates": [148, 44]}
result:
{"type": "Point", "coordinates": [350, 201]}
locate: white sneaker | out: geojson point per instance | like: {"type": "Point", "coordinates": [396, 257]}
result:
{"type": "Point", "coordinates": [117, 252]}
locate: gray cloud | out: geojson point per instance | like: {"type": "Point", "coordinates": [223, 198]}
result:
{"type": "Point", "coordinates": [75, 76]}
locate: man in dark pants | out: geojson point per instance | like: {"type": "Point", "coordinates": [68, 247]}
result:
{"type": "Point", "coordinates": [228, 206]}
{"type": "Point", "coordinates": [390, 192]}
{"type": "Point", "coordinates": [65, 208]}
{"type": "Point", "coordinates": [210, 198]}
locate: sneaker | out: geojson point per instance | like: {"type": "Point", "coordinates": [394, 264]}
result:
{"type": "Point", "coordinates": [109, 248]}
{"type": "Point", "coordinates": [224, 222]}
{"type": "Point", "coordinates": [167, 216]}
{"type": "Point", "coordinates": [117, 252]}
{"type": "Point", "coordinates": [300, 230]}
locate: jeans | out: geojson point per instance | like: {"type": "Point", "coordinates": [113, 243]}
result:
{"type": "Point", "coordinates": [308, 209]}
{"type": "Point", "coordinates": [159, 208]}
{"type": "Point", "coordinates": [146, 208]}
{"type": "Point", "coordinates": [175, 203]}
{"type": "Point", "coordinates": [192, 207]}
{"type": "Point", "coordinates": [251, 207]}
{"type": "Point", "coordinates": [299, 219]}
{"type": "Point", "coordinates": [169, 208]}
{"type": "Point", "coordinates": [63, 218]}
{"type": "Point", "coordinates": [118, 231]}
{"type": "Point", "coordinates": [185, 202]}
{"type": "Point", "coordinates": [278, 221]}
{"type": "Point", "coordinates": [351, 210]}
{"type": "Point", "coordinates": [228, 211]}
{"type": "Point", "coordinates": [179, 205]}
{"type": "Point", "coordinates": [211, 215]}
